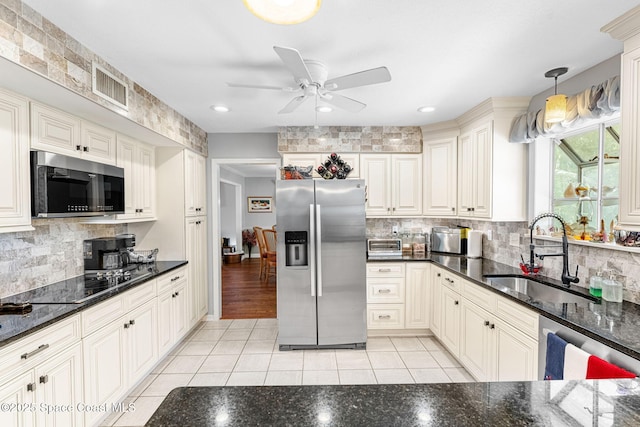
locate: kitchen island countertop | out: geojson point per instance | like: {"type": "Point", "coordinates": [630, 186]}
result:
{"type": "Point", "coordinates": [537, 403]}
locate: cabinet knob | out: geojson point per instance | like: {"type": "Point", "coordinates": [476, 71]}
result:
{"type": "Point", "coordinates": [132, 322]}
{"type": "Point", "coordinates": [439, 274]}
{"type": "Point", "coordinates": [85, 149]}
{"type": "Point", "coordinates": [177, 293]}
{"type": "Point", "coordinates": [456, 302]}
{"type": "Point", "coordinates": [493, 326]}
{"type": "Point", "coordinates": [127, 326]}
{"type": "Point", "coordinates": [78, 147]}
{"type": "Point", "coordinates": [44, 379]}
{"type": "Point", "coordinates": [486, 323]}
{"type": "Point", "coordinates": [453, 209]}
{"type": "Point", "coordinates": [31, 387]}
{"type": "Point", "coordinates": [173, 295]}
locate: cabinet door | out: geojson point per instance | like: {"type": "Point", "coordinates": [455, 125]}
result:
{"type": "Point", "coordinates": [450, 327]}
{"type": "Point", "coordinates": [516, 354]}
{"type": "Point", "coordinates": [195, 177]}
{"type": "Point", "coordinates": [14, 162]}
{"type": "Point", "coordinates": [146, 178]}
{"type": "Point", "coordinates": [436, 298]}
{"type": "Point", "coordinates": [197, 268]}
{"type": "Point", "coordinates": [376, 171]}
{"type": "Point", "coordinates": [98, 143]}
{"type": "Point", "coordinates": [465, 175]}
{"type": "Point", "coordinates": [165, 323]}
{"type": "Point", "coordinates": [105, 373]}
{"type": "Point", "coordinates": [55, 131]}
{"type": "Point", "coordinates": [406, 176]}
{"type": "Point", "coordinates": [417, 296]}
{"type": "Point", "coordinates": [483, 154]}
{"type": "Point", "coordinates": [14, 393]}
{"type": "Point", "coordinates": [127, 161]}
{"type": "Point", "coordinates": [475, 340]}
{"type": "Point", "coordinates": [629, 150]}
{"type": "Point", "coordinates": [440, 182]}
{"type": "Point", "coordinates": [142, 340]}
{"type": "Point", "coordinates": [179, 314]}
{"type": "Point", "coordinates": [59, 383]}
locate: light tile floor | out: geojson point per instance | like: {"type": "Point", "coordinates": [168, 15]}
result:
{"type": "Point", "coordinates": [245, 352]}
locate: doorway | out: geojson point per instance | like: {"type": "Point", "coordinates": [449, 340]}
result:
{"type": "Point", "coordinates": [238, 290]}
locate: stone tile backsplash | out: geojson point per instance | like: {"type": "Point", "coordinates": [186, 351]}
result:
{"type": "Point", "coordinates": [50, 253]}
{"type": "Point", "coordinates": [624, 264]}
{"type": "Point", "coordinates": [31, 40]}
{"type": "Point", "coordinates": [350, 139]}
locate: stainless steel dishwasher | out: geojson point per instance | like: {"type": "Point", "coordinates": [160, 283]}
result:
{"type": "Point", "coordinates": [587, 344]}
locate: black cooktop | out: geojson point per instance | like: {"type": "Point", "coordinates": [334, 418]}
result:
{"type": "Point", "coordinates": [81, 288]}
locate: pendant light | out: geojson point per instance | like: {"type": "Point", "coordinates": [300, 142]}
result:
{"type": "Point", "coordinates": [283, 12]}
{"type": "Point", "coordinates": [556, 106]}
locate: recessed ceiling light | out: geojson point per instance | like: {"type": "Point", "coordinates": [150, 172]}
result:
{"type": "Point", "coordinates": [220, 108]}
{"type": "Point", "coordinates": [324, 109]}
{"type": "Point", "coordinates": [426, 109]}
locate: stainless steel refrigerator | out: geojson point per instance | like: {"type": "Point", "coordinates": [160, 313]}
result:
{"type": "Point", "coordinates": [321, 264]}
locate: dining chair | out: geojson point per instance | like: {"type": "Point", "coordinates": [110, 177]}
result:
{"type": "Point", "coordinates": [262, 248]}
{"type": "Point", "coordinates": [270, 245]}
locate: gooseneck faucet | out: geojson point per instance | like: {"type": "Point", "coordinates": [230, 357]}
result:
{"type": "Point", "coordinates": [567, 279]}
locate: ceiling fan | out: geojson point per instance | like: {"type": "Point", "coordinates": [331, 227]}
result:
{"type": "Point", "coordinates": [311, 79]}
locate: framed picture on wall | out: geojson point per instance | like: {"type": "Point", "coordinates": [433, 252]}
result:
{"type": "Point", "coordinates": [259, 204]}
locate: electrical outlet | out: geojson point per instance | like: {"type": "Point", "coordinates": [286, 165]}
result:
{"type": "Point", "coordinates": [514, 239]}
{"type": "Point", "coordinates": [489, 235]}
{"type": "Point", "coordinates": [394, 229]}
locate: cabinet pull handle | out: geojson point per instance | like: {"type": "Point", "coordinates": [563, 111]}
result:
{"type": "Point", "coordinates": [78, 147]}
{"type": "Point", "coordinates": [384, 291]}
{"type": "Point", "coordinates": [493, 326]}
{"type": "Point", "coordinates": [31, 387]}
{"type": "Point", "coordinates": [85, 149]}
{"type": "Point", "coordinates": [384, 317]}
{"type": "Point", "coordinates": [43, 347]}
{"type": "Point", "coordinates": [44, 379]}
{"type": "Point", "coordinates": [127, 326]}
{"type": "Point", "coordinates": [132, 322]}
{"type": "Point", "coordinates": [486, 323]}
{"type": "Point", "coordinates": [173, 279]}
{"type": "Point", "coordinates": [384, 270]}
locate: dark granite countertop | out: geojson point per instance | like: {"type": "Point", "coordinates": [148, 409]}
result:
{"type": "Point", "coordinates": [16, 326]}
{"type": "Point", "coordinates": [537, 403]}
{"type": "Point", "coordinates": [615, 325]}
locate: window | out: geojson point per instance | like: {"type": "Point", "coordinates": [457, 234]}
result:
{"type": "Point", "coordinates": [585, 178]}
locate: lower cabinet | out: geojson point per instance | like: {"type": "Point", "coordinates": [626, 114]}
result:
{"type": "Point", "coordinates": [172, 315]}
{"type": "Point", "coordinates": [450, 321]}
{"type": "Point", "coordinates": [196, 245]}
{"type": "Point", "coordinates": [417, 295]}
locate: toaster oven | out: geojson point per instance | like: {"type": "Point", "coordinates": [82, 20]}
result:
{"type": "Point", "coordinates": [384, 248]}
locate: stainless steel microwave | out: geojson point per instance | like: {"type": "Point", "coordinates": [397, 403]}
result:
{"type": "Point", "coordinates": [63, 186]}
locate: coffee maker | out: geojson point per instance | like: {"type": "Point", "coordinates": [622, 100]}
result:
{"type": "Point", "coordinates": [107, 253]}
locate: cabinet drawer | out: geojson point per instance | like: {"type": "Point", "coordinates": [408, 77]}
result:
{"type": "Point", "coordinates": [102, 314]}
{"type": "Point", "coordinates": [385, 316]}
{"type": "Point", "coordinates": [518, 316]}
{"type": "Point", "coordinates": [479, 296]}
{"type": "Point", "coordinates": [385, 269]}
{"type": "Point", "coordinates": [165, 281]}
{"type": "Point", "coordinates": [137, 296]}
{"type": "Point", "coordinates": [385, 290]}
{"type": "Point", "coordinates": [451, 281]}
{"type": "Point", "coordinates": [39, 346]}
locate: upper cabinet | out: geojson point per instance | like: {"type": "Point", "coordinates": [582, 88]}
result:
{"type": "Point", "coordinates": [492, 172]}
{"type": "Point", "coordinates": [316, 159]}
{"type": "Point", "coordinates": [626, 28]}
{"type": "Point", "coordinates": [393, 183]}
{"type": "Point", "coordinates": [59, 132]}
{"type": "Point", "coordinates": [195, 184]}
{"type": "Point", "coordinates": [138, 161]}
{"type": "Point", "coordinates": [440, 183]}
{"type": "Point", "coordinates": [15, 214]}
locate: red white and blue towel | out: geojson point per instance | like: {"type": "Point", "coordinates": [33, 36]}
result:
{"type": "Point", "coordinates": [565, 361]}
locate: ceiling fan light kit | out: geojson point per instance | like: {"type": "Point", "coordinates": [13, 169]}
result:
{"type": "Point", "coordinates": [556, 106]}
{"type": "Point", "coordinates": [283, 12]}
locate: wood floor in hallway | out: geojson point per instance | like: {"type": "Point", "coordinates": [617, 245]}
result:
{"type": "Point", "coordinates": [244, 294]}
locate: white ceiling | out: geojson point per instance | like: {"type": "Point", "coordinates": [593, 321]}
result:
{"type": "Point", "coordinates": [451, 55]}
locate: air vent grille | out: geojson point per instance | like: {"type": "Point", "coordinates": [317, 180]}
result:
{"type": "Point", "coordinates": [109, 87]}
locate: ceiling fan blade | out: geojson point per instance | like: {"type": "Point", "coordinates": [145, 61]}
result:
{"type": "Point", "coordinates": [293, 104]}
{"type": "Point", "coordinates": [362, 78]}
{"type": "Point", "coordinates": [343, 102]}
{"type": "Point", "coordinates": [249, 86]}
{"type": "Point", "coordinates": [294, 63]}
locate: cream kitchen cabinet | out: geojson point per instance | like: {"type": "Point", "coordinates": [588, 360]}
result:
{"type": "Point", "coordinates": [394, 184]}
{"type": "Point", "coordinates": [59, 132]}
{"type": "Point", "coordinates": [624, 29]}
{"type": "Point", "coordinates": [195, 183]}
{"type": "Point", "coordinates": [138, 161]}
{"type": "Point", "coordinates": [43, 367]}
{"type": "Point", "coordinates": [196, 244]}
{"type": "Point", "coordinates": [440, 181]}
{"type": "Point", "coordinates": [15, 211]}
{"type": "Point", "coordinates": [435, 323]}
{"type": "Point", "coordinates": [445, 317]}
{"type": "Point", "coordinates": [492, 172]}
{"type": "Point", "coordinates": [172, 309]}
{"type": "Point", "coordinates": [417, 295]}
{"type": "Point", "coordinates": [303, 160]}
{"type": "Point", "coordinates": [385, 295]}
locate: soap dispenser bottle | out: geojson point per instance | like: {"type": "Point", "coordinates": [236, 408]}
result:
{"type": "Point", "coordinates": [595, 284]}
{"type": "Point", "coordinates": [612, 289]}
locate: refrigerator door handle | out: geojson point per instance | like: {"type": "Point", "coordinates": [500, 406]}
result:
{"type": "Point", "coordinates": [312, 248]}
{"type": "Point", "coordinates": [319, 248]}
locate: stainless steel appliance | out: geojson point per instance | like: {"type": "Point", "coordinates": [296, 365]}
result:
{"type": "Point", "coordinates": [384, 248]}
{"type": "Point", "coordinates": [64, 186]}
{"type": "Point", "coordinates": [449, 240]}
{"type": "Point", "coordinates": [321, 264]}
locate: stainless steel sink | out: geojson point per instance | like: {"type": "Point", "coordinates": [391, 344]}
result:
{"type": "Point", "coordinates": [537, 291]}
